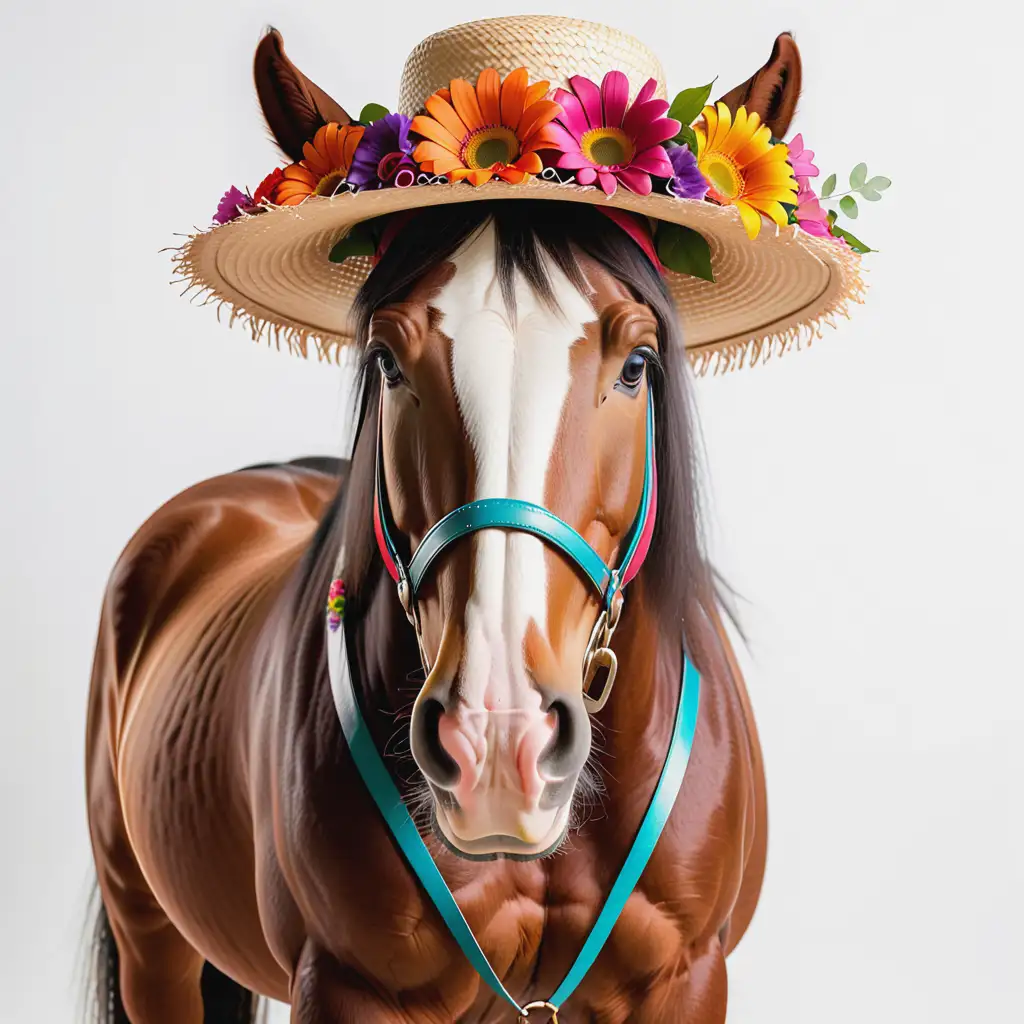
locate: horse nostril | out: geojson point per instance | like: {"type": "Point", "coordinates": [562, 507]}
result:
{"type": "Point", "coordinates": [425, 740]}
{"type": "Point", "coordinates": [570, 745]}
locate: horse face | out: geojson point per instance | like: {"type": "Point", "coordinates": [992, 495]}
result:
{"type": "Point", "coordinates": [545, 405]}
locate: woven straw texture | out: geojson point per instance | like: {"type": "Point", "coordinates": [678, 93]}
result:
{"type": "Point", "coordinates": [551, 48]}
{"type": "Point", "coordinates": [272, 270]}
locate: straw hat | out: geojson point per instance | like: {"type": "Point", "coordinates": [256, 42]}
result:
{"type": "Point", "coordinates": [270, 262]}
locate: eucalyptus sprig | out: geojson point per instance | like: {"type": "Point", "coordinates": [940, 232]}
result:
{"type": "Point", "coordinates": [867, 188]}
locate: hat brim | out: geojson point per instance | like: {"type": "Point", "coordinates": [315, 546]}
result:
{"type": "Point", "coordinates": [272, 270]}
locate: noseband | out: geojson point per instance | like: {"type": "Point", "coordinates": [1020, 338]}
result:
{"type": "Point", "coordinates": [515, 514]}
{"type": "Point", "coordinates": [525, 516]}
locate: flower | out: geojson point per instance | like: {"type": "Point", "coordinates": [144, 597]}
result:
{"type": "Point", "coordinates": [233, 204]}
{"type": "Point", "coordinates": [687, 181]}
{"type": "Point", "coordinates": [335, 604]}
{"type": "Point", "coordinates": [493, 130]}
{"type": "Point", "coordinates": [606, 140]}
{"type": "Point", "coordinates": [384, 156]}
{"type": "Point", "coordinates": [266, 187]}
{"type": "Point", "coordinates": [742, 166]}
{"type": "Point", "coordinates": [809, 214]}
{"type": "Point", "coordinates": [800, 159]}
{"type": "Point", "coordinates": [324, 165]}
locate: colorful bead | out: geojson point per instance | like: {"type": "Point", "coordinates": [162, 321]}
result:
{"type": "Point", "coordinates": [335, 604]}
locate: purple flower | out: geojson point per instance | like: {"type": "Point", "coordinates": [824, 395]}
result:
{"type": "Point", "coordinates": [228, 207]}
{"type": "Point", "coordinates": [688, 182]}
{"type": "Point", "coordinates": [384, 156]}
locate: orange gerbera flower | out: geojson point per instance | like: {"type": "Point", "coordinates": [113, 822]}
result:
{"type": "Point", "coordinates": [491, 131]}
{"type": "Point", "coordinates": [322, 169]}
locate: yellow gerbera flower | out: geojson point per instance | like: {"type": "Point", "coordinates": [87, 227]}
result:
{"type": "Point", "coordinates": [493, 130]}
{"type": "Point", "coordinates": [743, 168]}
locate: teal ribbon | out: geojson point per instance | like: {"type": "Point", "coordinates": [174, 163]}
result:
{"type": "Point", "coordinates": [391, 806]}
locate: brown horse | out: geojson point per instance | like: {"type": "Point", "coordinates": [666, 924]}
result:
{"type": "Point", "coordinates": [508, 351]}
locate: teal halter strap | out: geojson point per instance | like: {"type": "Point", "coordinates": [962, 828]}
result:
{"type": "Point", "coordinates": [509, 514]}
{"type": "Point", "coordinates": [392, 808]}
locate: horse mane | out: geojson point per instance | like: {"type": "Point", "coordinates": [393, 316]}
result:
{"type": "Point", "coordinates": [678, 582]}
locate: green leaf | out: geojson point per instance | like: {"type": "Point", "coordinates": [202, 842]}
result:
{"type": "Point", "coordinates": [858, 176]}
{"type": "Point", "coordinates": [372, 112]}
{"type": "Point", "coordinates": [358, 242]}
{"type": "Point", "coordinates": [685, 251]}
{"type": "Point", "coordinates": [849, 206]}
{"type": "Point", "coordinates": [878, 183]}
{"type": "Point", "coordinates": [688, 104]}
{"type": "Point", "coordinates": [853, 241]}
{"type": "Point", "coordinates": [867, 192]}
{"type": "Point", "coordinates": [829, 187]}
{"type": "Point", "coordinates": [687, 137]}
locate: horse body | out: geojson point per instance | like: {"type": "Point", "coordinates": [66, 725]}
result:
{"type": "Point", "coordinates": [229, 823]}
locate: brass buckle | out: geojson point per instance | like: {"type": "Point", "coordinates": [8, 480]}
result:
{"type": "Point", "coordinates": [600, 656]}
{"type": "Point", "coordinates": [405, 600]}
{"type": "Point", "coordinates": [538, 1004]}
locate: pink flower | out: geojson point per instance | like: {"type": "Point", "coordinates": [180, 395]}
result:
{"type": "Point", "coordinates": [607, 140]}
{"type": "Point", "coordinates": [809, 214]}
{"type": "Point", "coordinates": [800, 159]}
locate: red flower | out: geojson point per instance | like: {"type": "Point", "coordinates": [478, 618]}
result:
{"type": "Point", "coordinates": [267, 186]}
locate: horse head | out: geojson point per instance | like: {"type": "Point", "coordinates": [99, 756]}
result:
{"type": "Point", "coordinates": [512, 359]}
{"type": "Point", "coordinates": [510, 352]}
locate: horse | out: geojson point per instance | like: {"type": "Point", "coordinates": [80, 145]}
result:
{"type": "Point", "coordinates": [508, 350]}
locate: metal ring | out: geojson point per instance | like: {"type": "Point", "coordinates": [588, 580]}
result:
{"type": "Point", "coordinates": [538, 1004]}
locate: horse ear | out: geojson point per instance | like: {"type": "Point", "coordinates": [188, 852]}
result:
{"type": "Point", "coordinates": [774, 89]}
{"type": "Point", "coordinates": [295, 108]}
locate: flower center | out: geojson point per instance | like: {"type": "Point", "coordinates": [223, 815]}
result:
{"type": "Point", "coordinates": [329, 183]}
{"type": "Point", "coordinates": [607, 147]}
{"type": "Point", "coordinates": [488, 146]}
{"type": "Point", "coordinates": [723, 175]}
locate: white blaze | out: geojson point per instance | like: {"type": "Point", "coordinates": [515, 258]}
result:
{"type": "Point", "coordinates": [511, 382]}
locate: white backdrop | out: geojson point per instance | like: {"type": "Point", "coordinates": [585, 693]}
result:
{"type": "Point", "coordinates": [866, 494]}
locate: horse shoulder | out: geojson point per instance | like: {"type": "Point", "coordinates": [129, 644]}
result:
{"type": "Point", "coordinates": [194, 534]}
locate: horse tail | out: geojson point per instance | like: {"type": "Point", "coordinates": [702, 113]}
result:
{"type": "Point", "coordinates": [103, 988]}
{"type": "Point", "coordinates": [224, 1000]}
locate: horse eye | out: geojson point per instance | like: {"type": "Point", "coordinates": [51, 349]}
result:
{"type": "Point", "coordinates": [633, 369]}
{"type": "Point", "coordinates": [390, 368]}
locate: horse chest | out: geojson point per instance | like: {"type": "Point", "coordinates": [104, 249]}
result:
{"type": "Point", "coordinates": [531, 921]}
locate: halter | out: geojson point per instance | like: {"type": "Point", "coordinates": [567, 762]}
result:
{"type": "Point", "coordinates": [516, 514]}
{"type": "Point", "coordinates": [525, 516]}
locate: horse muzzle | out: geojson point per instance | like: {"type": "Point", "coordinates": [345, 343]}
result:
{"type": "Point", "coordinates": [502, 779]}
